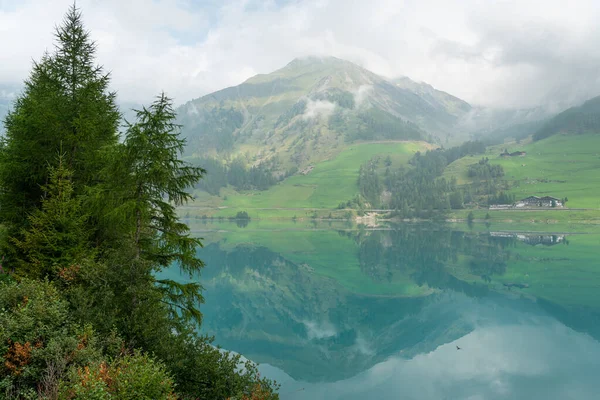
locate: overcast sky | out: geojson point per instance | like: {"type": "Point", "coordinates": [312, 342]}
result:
{"type": "Point", "coordinates": [500, 53]}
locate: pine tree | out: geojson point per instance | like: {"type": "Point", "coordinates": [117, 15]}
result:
{"type": "Point", "coordinates": [148, 182]}
{"type": "Point", "coordinates": [66, 107]}
{"type": "Point", "coordinates": [56, 237]}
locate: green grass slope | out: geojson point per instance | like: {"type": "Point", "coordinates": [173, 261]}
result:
{"type": "Point", "coordinates": [575, 120]}
{"type": "Point", "coordinates": [559, 166]}
{"type": "Point", "coordinates": [324, 187]}
{"type": "Point", "coordinates": [303, 112]}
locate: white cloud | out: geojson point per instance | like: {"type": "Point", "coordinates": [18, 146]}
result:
{"type": "Point", "coordinates": [361, 94]}
{"type": "Point", "coordinates": [502, 53]}
{"type": "Point", "coordinates": [318, 109]}
{"type": "Point", "coordinates": [537, 358]}
{"type": "Point", "coordinates": [319, 330]}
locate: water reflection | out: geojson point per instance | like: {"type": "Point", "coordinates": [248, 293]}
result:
{"type": "Point", "coordinates": [531, 358]}
{"type": "Point", "coordinates": [378, 314]}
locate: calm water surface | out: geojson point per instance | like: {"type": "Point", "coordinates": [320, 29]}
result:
{"type": "Point", "coordinates": [413, 312]}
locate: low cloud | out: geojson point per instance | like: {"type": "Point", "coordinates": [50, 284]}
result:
{"type": "Point", "coordinates": [362, 94]}
{"type": "Point", "coordinates": [511, 53]}
{"type": "Point", "coordinates": [318, 109]}
{"type": "Point", "coordinates": [319, 330]}
{"type": "Point", "coordinates": [192, 110]}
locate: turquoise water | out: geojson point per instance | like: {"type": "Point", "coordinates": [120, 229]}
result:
{"type": "Point", "coordinates": [409, 312]}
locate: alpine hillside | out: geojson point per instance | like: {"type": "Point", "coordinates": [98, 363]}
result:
{"type": "Point", "coordinates": [310, 110]}
{"type": "Point", "coordinates": [575, 120]}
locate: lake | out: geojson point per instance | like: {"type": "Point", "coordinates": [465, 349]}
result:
{"type": "Point", "coordinates": [413, 311]}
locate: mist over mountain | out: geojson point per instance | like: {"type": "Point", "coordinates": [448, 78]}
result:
{"type": "Point", "coordinates": [300, 113]}
{"type": "Point", "coordinates": [310, 105]}
{"type": "Point", "coordinates": [575, 120]}
{"type": "Point", "coordinates": [314, 103]}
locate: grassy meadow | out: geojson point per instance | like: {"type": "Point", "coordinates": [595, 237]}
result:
{"type": "Point", "coordinates": [559, 166]}
{"type": "Point", "coordinates": [324, 187]}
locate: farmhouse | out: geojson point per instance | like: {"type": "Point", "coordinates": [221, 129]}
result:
{"type": "Point", "coordinates": [513, 154]}
{"type": "Point", "coordinates": [535, 201]}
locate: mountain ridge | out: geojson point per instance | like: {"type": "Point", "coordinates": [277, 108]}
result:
{"type": "Point", "coordinates": [294, 114]}
{"type": "Point", "coordinates": [581, 119]}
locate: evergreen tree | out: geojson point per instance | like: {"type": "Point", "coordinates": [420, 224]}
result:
{"type": "Point", "coordinates": [109, 259]}
{"type": "Point", "coordinates": [66, 106]}
{"type": "Point", "coordinates": [56, 237]}
{"type": "Point", "coordinates": [148, 182]}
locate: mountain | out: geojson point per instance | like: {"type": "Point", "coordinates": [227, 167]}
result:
{"type": "Point", "coordinates": [303, 112]}
{"type": "Point", "coordinates": [517, 132]}
{"type": "Point", "coordinates": [444, 102]}
{"type": "Point", "coordinates": [496, 124]}
{"type": "Point", "coordinates": [484, 123]}
{"type": "Point", "coordinates": [575, 120]}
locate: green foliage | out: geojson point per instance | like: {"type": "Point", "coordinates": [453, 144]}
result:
{"type": "Point", "coordinates": [297, 109]}
{"type": "Point", "coordinates": [342, 98]}
{"type": "Point", "coordinates": [470, 217]}
{"type": "Point", "coordinates": [369, 184]}
{"type": "Point", "coordinates": [129, 377]}
{"type": "Point", "coordinates": [57, 236]}
{"type": "Point", "coordinates": [576, 120]}
{"type": "Point", "coordinates": [242, 215]}
{"type": "Point", "coordinates": [421, 187]}
{"type": "Point", "coordinates": [456, 200]}
{"type": "Point", "coordinates": [38, 340]}
{"type": "Point", "coordinates": [327, 184]}
{"type": "Point", "coordinates": [99, 223]}
{"type": "Point", "coordinates": [153, 181]}
{"type": "Point", "coordinates": [145, 181]}
{"type": "Point", "coordinates": [218, 125]}
{"type": "Point", "coordinates": [65, 108]}
{"type": "Point", "coordinates": [502, 198]}
{"type": "Point", "coordinates": [376, 124]}
{"type": "Point", "coordinates": [484, 170]}
{"type": "Point", "coordinates": [243, 178]}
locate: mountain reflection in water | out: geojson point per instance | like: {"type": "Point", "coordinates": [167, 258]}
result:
{"type": "Point", "coordinates": [379, 314]}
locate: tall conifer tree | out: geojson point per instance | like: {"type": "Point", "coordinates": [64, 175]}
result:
{"type": "Point", "coordinates": [148, 181]}
{"type": "Point", "coordinates": [66, 106]}
{"type": "Point", "coordinates": [57, 236]}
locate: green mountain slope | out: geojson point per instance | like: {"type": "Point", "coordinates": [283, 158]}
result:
{"type": "Point", "coordinates": [559, 166]}
{"type": "Point", "coordinates": [575, 120]}
{"type": "Point", "coordinates": [497, 124]}
{"type": "Point", "coordinates": [322, 187]}
{"type": "Point", "coordinates": [445, 103]}
{"type": "Point", "coordinates": [309, 110]}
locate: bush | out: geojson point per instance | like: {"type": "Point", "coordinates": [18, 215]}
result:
{"type": "Point", "coordinates": [38, 341]}
{"type": "Point", "coordinates": [242, 215]}
{"type": "Point", "coordinates": [130, 377]}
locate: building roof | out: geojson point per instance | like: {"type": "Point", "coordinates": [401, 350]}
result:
{"type": "Point", "coordinates": [540, 198]}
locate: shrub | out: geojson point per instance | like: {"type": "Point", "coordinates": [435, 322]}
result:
{"type": "Point", "coordinates": [38, 341]}
{"type": "Point", "coordinates": [130, 377]}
